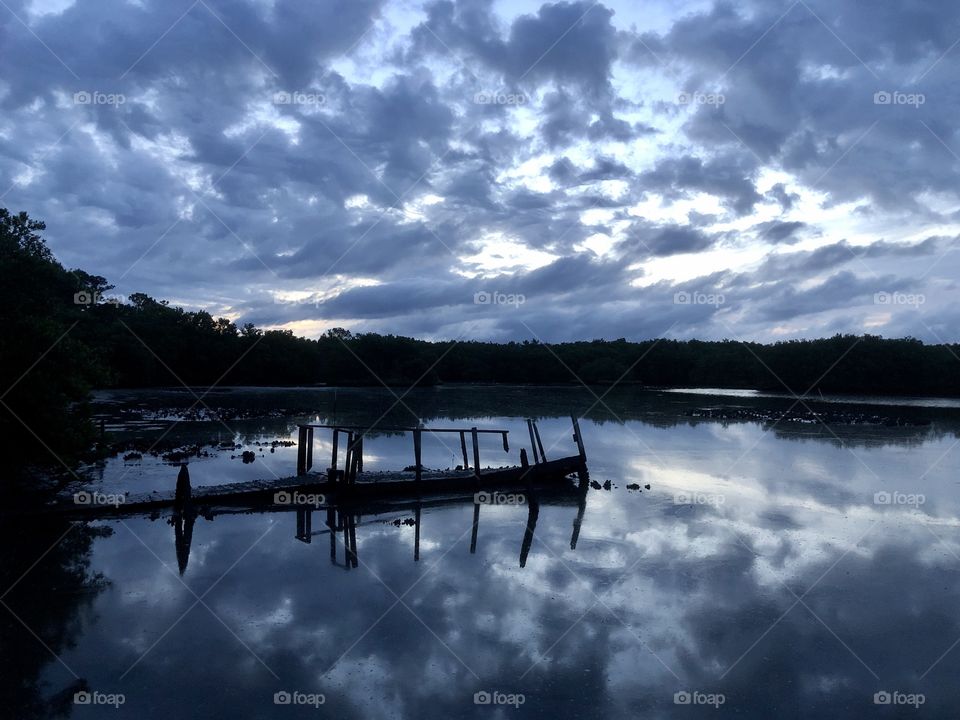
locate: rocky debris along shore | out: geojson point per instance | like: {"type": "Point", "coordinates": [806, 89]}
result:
{"type": "Point", "coordinates": [807, 417]}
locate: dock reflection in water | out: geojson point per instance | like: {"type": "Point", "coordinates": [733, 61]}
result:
{"type": "Point", "coordinates": [340, 522]}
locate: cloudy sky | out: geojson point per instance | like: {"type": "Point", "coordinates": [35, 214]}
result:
{"type": "Point", "coordinates": [495, 169]}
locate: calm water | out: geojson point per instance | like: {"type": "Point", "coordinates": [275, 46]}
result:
{"type": "Point", "coordinates": [787, 571]}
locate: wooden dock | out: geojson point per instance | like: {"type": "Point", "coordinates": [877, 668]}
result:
{"type": "Point", "coordinates": [351, 485]}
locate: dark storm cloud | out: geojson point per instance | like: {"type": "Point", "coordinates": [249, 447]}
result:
{"type": "Point", "coordinates": [661, 241]}
{"type": "Point", "coordinates": [801, 95]}
{"type": "Point", "coordinates": [199, 187]}
{"type": "Point", "coordinates": [780, 232]}
{"type": "Point", "coordinates": [525, 54]}
{"type": "Point", "coordinates": [728, 177]}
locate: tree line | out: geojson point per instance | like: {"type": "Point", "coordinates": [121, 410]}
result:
{"type": "Point", "coordinates": [62, 339]}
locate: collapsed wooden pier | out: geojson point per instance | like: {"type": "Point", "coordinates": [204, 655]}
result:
{"type": "Point", "coordinates": [351, 485]}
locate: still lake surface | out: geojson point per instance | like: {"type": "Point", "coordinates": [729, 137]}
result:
{"type": "Point", "coordinates": [788, 570]}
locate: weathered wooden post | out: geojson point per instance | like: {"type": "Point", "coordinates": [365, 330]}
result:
{"type": "Point", "coordinates": [416, 454]}
{"type": "Point", "coordinates": [476, 452]}
{"type": "Point", "coordinates": [333, 455]}
{"type": "Point", "coordinates": [463, 447]}
{"type": "Point", "coordinates": [182, 494]}
{"type": "Point", "coordinates": [533, 442]}
{"type": "Point", "coordinates": [302, 451]}
{"type": "Point", "coordinates": [309, 448]}
{"type": "Point", "coordinates": [578, 438]}
{"type": "Point", "coordinates": [355, 450]}
{"type": "Point", "coordinates": [536, 432]}
{"type": "Point", "coordinates": [348, 460]}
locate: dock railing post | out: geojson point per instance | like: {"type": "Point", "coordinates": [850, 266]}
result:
{"type": "Point", "coordinates": [536, 432]}
{"type": "Point", "coordinates": [348, 459]}
{"type": "Point", "coordinates": [417, 452]}
{"type": "Point", "coordinates": [533, 442]}
{"type": "Point", "coordinates": [302, 451]}
{"type": "Point", "coordinates": [333, 454]}
{"type": "Point", "coordinates": [463, 447]}
{"type": "Point", "coordinates": [309, 448]}
{"type": "Point", "coordinates": [476, 452]}
{"type": "Point", "coordinates": [578, 438]}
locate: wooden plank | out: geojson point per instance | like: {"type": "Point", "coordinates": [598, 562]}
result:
{"type": "Point", "coordinates": [379, 428]}
{"type": "Point", "coordinates": [463, 447]}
